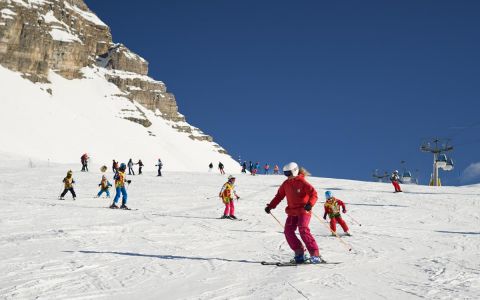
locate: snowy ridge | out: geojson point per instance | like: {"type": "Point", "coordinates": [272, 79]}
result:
{"type": "Point", "coordinates": [89, 115]}
{"type": "Point", "coordinates": [420, 244]}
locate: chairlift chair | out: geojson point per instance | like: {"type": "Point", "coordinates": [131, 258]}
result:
{"type": "Point", "coordinates": [442, 161]}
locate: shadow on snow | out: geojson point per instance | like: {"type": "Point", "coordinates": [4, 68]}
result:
{"type": "Point", "coordinates": [167, 257]}
{"type": "Point", "coordinates": [372, 204]}
{"type": "Point", "coordinates": [458, 232]}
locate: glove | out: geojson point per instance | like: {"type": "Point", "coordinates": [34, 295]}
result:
{"type": "Point", "coordinates": [129, 181]}
{"type": "Point", "coordinates": [308, 207]}
{"type": "Point", "coordinates": [344, 211]}
{"type": "Point", "coordinates": [238, 198]}
{"type": "Point", "coordinates": [268, 209]}
{"type": "Point", "coordinates": [325, 217]}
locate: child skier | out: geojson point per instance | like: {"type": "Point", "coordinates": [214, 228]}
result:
{"type": "Point", "coordinates": [332, 208]}
{"type": "Point", "coordinates": [140, 166]}
{"type": "Point", "coordinates": [115, 166]}
{"type": "Point", "coordinates": [68, 186]}
{"type": "Point", "coordinates": [120, 187]}
{"type": "Point", "coordinates": [226, 194]}
{"type": "Point", "coordinates": [130, 167]}
{"type": "Point", "coordinates": [266, 168]}
{"type": "Point", "coordinates": [301, 197]}
{"type": "Point", "coordinates": [159, 165]}
{"type": "Point", "coordinates": [220, 167]}
{"type": "Point", "coordinates": [275, 170]}
{"type": "Point", "coordinates": [394, 178]}
{"type": "Point", "coordinates": [104, 187]}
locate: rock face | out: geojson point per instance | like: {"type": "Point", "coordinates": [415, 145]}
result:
{"type": "Point", "coordinates": [65, 36]}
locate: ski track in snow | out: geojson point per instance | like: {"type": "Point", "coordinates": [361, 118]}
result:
{"type": "Point", "coordinates": [420, 244]}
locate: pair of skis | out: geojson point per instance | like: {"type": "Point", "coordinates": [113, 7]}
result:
{"type": "Point", "coordinates": [293, 264]}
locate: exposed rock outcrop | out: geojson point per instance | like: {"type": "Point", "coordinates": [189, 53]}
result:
{"type": "Point", "coordinates": [65, 36]}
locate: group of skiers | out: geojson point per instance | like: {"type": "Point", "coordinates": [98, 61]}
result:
{"type": "Point", "coordinates": [254, 169]}
{"type": "Point", "coordinates": [120, 189]}
{"type": "Point", "coordinates": [301, 199]}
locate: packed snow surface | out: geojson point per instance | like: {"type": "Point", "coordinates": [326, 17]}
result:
{"type": "Point", "coordinates": [424, 243]}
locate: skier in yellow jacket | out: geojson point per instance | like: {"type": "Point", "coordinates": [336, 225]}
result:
{"type": "Point", "coordinates": [226, 194]}
{"type": "Point", "coordinates": [68, 186]}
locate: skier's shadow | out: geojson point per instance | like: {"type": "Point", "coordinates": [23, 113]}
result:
{"type": "Point", "coordinates": [458, 232]}
{"type": "Point", "coordinates": [167, 257]}
{"type": "Point", "coordinates": [185, 217]}
{"type": "Point", "coordinates": [372, 204]}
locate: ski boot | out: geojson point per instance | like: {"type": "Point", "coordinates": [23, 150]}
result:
{"type": "Point", "coordinates": [124, 207]}
{"type": "Point", "coordinates": [347, 234]}
{"type": "Point", "coordinates": [232, 217]}
{"type": "Point", "coordinates": [61, 198]}
{"type": "Point", "coordinates": [113, 206]}
{"type": "Point", "coordinates": [333, 234]}
{"type": "Point", "coordinates": [317, 260]}
{"type": "Point", "coordinates": [299, 259]}
{"type": "Point", "coordinates": [225, 217]}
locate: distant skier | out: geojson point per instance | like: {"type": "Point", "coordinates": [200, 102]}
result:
{"type": "Point", "coordinates": [266, 168]}
{"type": "Point", "coordinates": [250, 167]}
{"type": "Point", "coordinates": [210, 167]}
{"type": "Point", "coordinates": [244, 167]}
{"type": "Point", "coordinates": [115, 166]}
{"type": "Point", "coordinates": [140, 166]}
{"type": "Point", "coordinates": [332, 208]}
{"type": "Point", "coordinates": [301, 197]}
{"type": "Point", "coordinates": [159, 165]}
{"type": "Point", "coordinates": [275, 170]}
{"type": "Point", "coordinates": [221, 167]}
{"type": "Point", "coordinates": [84, 161]}
{"type": "Point", "coordinates": [68, 186]}
{"type": "Point", "coordinates": [226, 194]}
{"type": "Point", "coordinates": [120, 187]}
{"type": "Point", "coordinates": [130, 167]}
{"type": "Point", "coordinates": [395, 179]}
{"type": "Point", "coordinates": [104, 187]}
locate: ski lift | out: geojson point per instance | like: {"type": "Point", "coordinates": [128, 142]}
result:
{"type": "Point", "coordinates": [449, 165]}
{"type": "Point", "coordinates": [442, 161]}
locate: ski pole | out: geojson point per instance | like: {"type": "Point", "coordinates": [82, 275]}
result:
{"type": "Point", "coordinates": [342, 241]}
{"type": "Point", "coordinates": [354, 220]}
{"type": "Point", "coordinates": [276, 220]}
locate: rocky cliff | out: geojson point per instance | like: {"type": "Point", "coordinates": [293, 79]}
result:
{"type": "Point", "coordinates": [37, 36]}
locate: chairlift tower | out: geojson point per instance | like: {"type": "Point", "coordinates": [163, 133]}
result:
{"type": "Point", "coordinates": [440, 161]}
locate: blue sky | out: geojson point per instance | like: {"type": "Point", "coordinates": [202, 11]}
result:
{"type": "Point", "coordinates": [342, 87]}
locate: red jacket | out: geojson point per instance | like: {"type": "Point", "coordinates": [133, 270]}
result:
{"type": "Point", "coordinates": [299, 192]}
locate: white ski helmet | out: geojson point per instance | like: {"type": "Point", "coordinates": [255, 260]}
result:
{"type": "Point", "coordinates": [291, 168]}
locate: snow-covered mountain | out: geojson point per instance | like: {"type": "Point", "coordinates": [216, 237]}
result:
{"type": "Point", "coordinates": [67, 89]}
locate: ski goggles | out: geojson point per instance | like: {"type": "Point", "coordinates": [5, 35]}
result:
{"type": "Point", "coordinates": [287, 173]}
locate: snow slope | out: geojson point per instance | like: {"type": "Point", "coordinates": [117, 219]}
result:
{"type": "Point", "coordinates": [87, 115]}
{"type": "Point", "coordinates": [420, 244]}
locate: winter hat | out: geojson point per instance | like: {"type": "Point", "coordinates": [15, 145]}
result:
{"type": "Point", "coordinates": [69, 173]}
{"type": "Point", "coordinates": [123, 166]}
{"type": "Point", "coordinates": [328, 195]}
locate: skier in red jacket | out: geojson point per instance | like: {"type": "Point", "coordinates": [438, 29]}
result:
{"type": "Point", "coordinates": [301, 197]}
{"type": "Point", "coordinates": [332, 208]}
